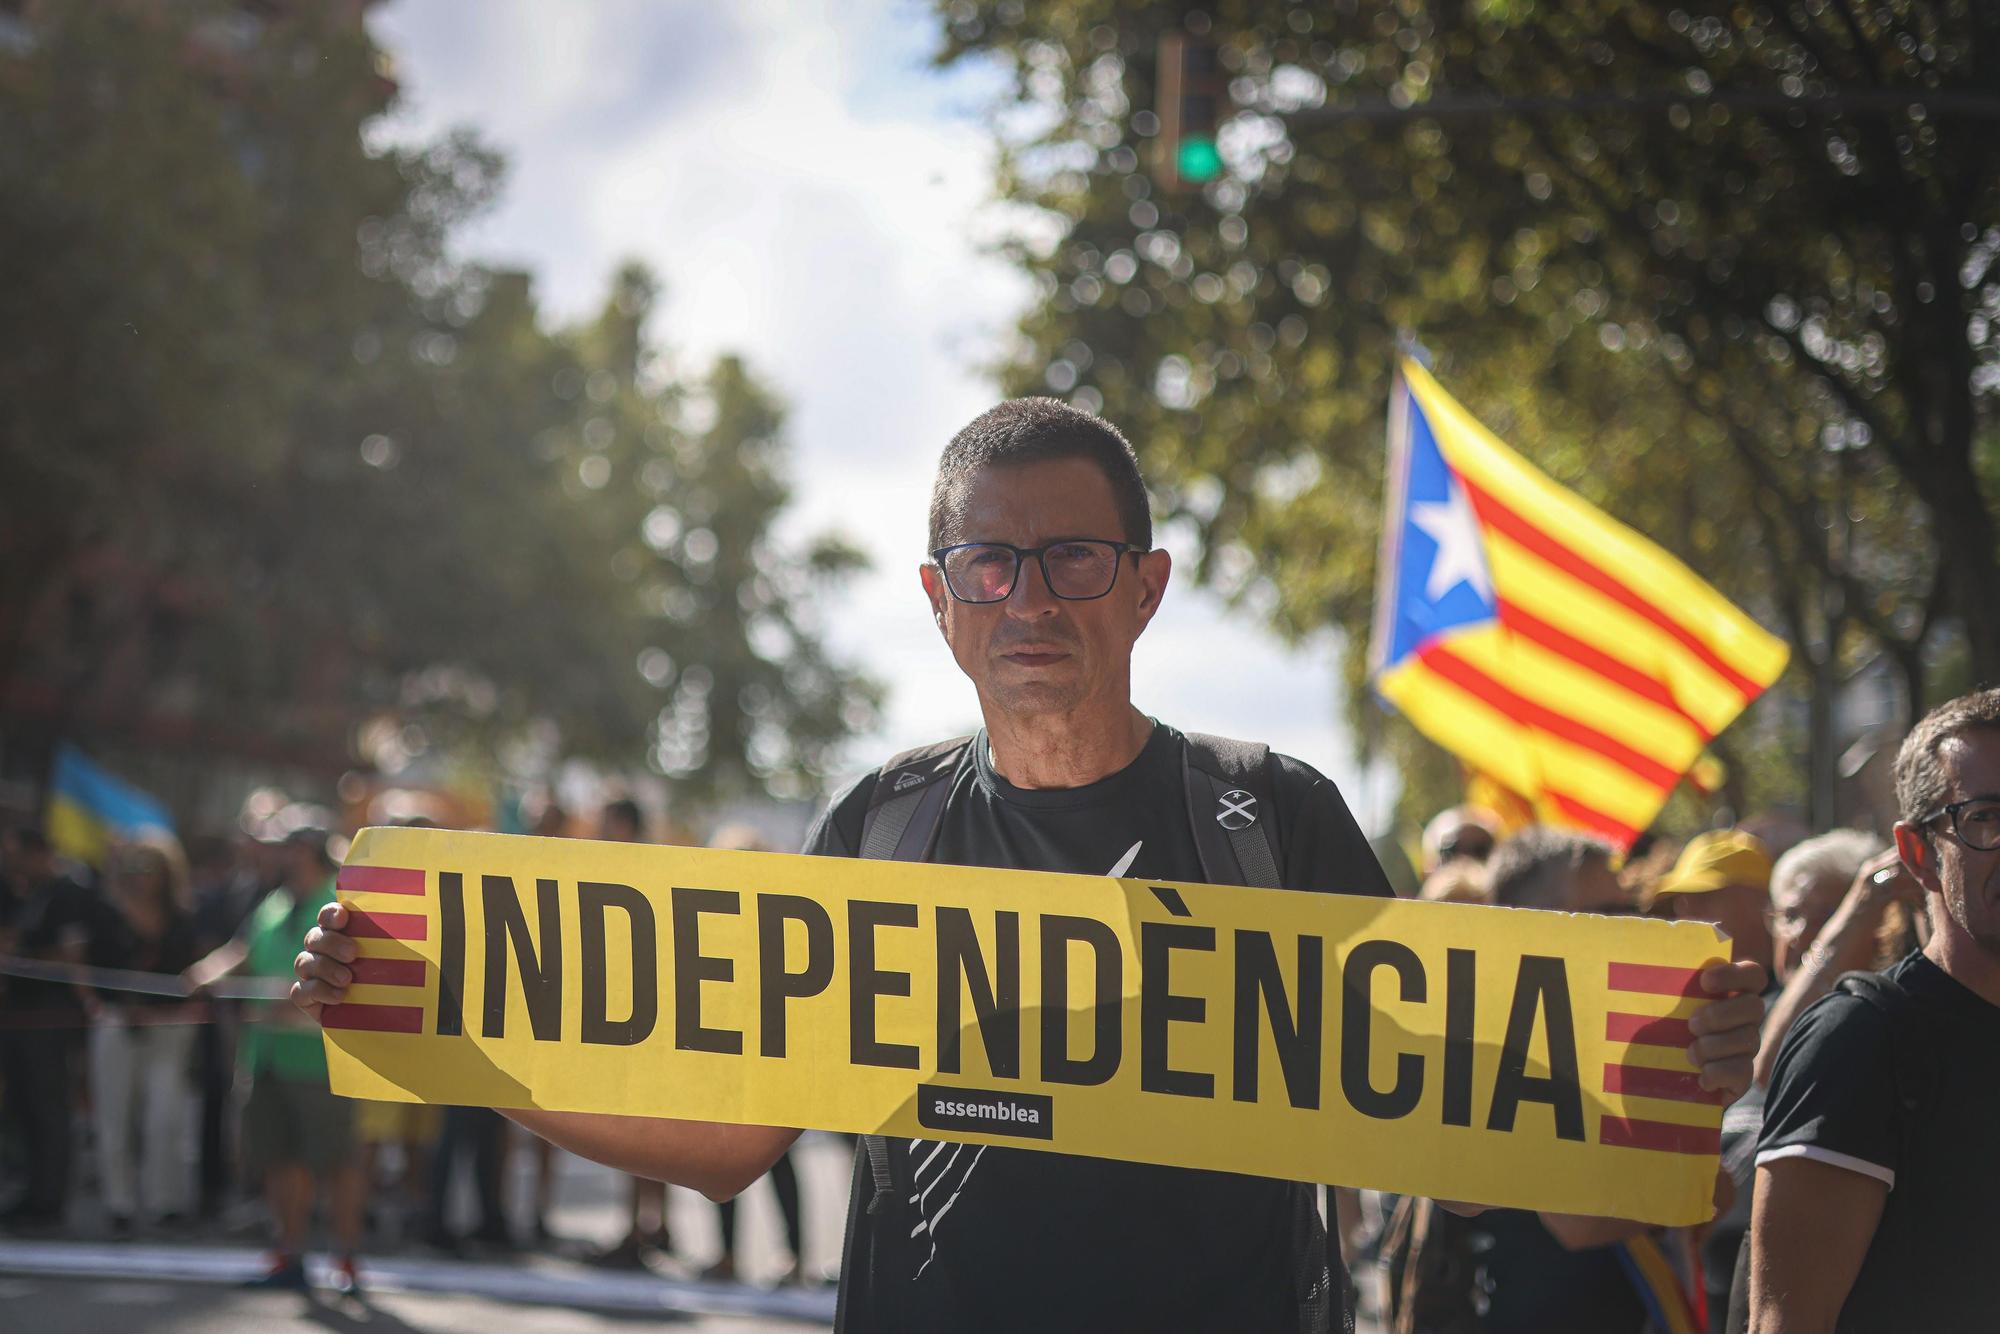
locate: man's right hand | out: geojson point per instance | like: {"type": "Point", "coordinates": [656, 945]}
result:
{"type": "Point", "coordinates": [322, 966]}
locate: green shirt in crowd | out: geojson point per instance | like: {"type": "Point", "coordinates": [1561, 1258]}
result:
{"type": "Point", "coordinates": [279, 1040]}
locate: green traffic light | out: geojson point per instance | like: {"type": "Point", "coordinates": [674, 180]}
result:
{"type": "Point", "coordinates": [1198, 159]}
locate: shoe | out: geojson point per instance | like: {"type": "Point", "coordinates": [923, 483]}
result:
{"type": "Point", "coordinates": [286, 1274]}
{"type": "Point", "coordinates": [120, 1227]}
{"type": "Point", "coordinates": [625, 1255]}
{"type": "Point", "coordinates": [495, 1235]}
{"type": "Point", "coordinates": [347, 1277]}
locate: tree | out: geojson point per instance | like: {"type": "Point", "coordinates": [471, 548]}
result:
{"type": "Point", "coordinates": [689, 478]}
{"type": "Point", "coordinates": [1728, 272]}
{"type": "Point", "coordinates": [280, 479]}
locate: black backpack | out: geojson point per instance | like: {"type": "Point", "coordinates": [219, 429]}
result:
{"type": "Point", "coordinates": [1916, 1066]}
{"type": "Point", "coordinates": [1231, 795]}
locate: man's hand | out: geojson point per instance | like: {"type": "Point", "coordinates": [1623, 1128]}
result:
{"type": "Point", "coordinates": [322, 966]}
{"type": "Point", "coordinates": [1725, 1031]}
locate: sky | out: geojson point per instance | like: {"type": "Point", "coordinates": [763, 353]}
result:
{"type": "Point", "coordinates": [816, 196]}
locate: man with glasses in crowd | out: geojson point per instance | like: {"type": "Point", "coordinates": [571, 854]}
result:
{"type": "Point", "coordinates": [1878, 1170]}
{"type": "Point", "coordinates": [1041, 579]}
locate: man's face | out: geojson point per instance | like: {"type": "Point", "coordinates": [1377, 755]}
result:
{"type": "Point", "coordinates": [1738, 910]}
{"type": "Point", "coordinates": [1967, 879]}
{"type": "Point", "coordinates": [1800, 907]}
{"type": "Point", "coordinates": [1035, 653]}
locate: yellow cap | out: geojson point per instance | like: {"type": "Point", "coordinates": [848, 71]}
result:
{"type": "Point", "coordinates": [1713, 861]}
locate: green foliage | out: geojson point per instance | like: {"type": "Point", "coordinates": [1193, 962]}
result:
{"type": "Point", "coordinates": [280, 476]}
{"type": "Point", "coordinates": [1728, 272]}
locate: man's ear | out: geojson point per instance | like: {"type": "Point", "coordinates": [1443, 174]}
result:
{"type": "Point", "coordinates": [1918, 856]}
{"type": "Point", "coordinates": [935, 590]}
{"type": "Point", "coordinates": [1156, 568]}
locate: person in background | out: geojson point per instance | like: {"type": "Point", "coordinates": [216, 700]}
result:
{"type": "Point", "coordinates": [475, 1136]}
{"type": "Point", "coordinates": [39, 1044]}
{"type": "Point", "coordinates": [1723, 878]}
{"type": "Point", "coordinates": [783, 1176]}
{"type": "Point", "coordinates": [1878, 1167]}
{"type": "Point", "coordinates": [621, 821]}
{"type": "Point", "coordinates": [296, 1134]}
{"type": "Point", "coordinates": [256, 868]}
{"type": "Point", "coordinates": [140, 1044]}
{"type": "Point", "coordinates": [1831, 897]}
{"type": "Point", "coordinates": [257, 857]}
{"type": "Point", "coordinates": [1470, 832]}
{"type": "Point", "coordinates": [1512, 1271]}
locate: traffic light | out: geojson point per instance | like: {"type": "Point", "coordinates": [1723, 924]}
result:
{"type": "Point", "coordinates": [1190, 91]}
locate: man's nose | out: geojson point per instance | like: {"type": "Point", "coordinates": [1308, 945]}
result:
{"type": "Point", "coordinates": [1030, 595]}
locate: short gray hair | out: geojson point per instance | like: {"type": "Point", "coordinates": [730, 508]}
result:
{"type": "Point", "coordinates": [1920, 785]}
{"type": "Point", "coordinates": [1835, 856]}
{"type": "Point", "coordinates": [1035, 430]}
{"type": "Point", "coordinates": [1528, 870]}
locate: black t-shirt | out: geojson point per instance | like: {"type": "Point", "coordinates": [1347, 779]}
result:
{"type": "Point", "coordinates": [990, 1238]}
{"type": "Point", "coordinates": [54, 918]}
{"type": "Point", "coordinates": [1534, 1284]}
{"type": "Point", "coordinates": [1839, 1095]}
{"type": "Point", "coordinates": [115, 944]}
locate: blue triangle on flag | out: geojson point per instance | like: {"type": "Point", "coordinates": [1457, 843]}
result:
{"type": "Point", "coordinates": [1442, 579]}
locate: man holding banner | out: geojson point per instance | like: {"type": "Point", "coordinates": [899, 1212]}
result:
{"type": "Point", "coordinates": [1041, 580]}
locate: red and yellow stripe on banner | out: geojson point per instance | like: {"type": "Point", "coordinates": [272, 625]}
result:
{"type": "Point", "coordinates": [1610, 663]}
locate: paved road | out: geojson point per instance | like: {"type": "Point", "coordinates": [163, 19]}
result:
{"type": "Point", "coordinates": [78, 1280]}
{"type": "Point", "coordinates": [111, 1306]}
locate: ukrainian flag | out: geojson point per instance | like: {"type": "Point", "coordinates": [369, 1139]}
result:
{"type": "Point", "coordinates": [1541, 641]}
{"type": "Point", "coordinates": [89, 807]}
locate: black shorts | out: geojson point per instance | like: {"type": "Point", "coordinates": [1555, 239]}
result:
{"type": "Point", "coordinates": [296, 1121]}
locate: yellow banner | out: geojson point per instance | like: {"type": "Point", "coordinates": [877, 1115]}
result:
{"type": "Point", "coordinates": [1510, 1057]}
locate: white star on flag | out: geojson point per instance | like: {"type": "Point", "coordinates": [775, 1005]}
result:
{"type": "Point", "coordinates": [1461, 555]}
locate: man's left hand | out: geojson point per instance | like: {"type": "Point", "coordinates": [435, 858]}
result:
{"type": "Point", "coordinates": [1726, 1030]}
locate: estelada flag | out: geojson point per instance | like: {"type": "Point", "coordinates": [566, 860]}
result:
{"type": "Point", "coordinates": [1537, 638]}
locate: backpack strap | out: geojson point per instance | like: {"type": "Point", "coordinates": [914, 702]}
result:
{"type": "Point", "coordinates": [1232, 809]}
{"type": "Point", "coordinates": [1916, 1065]}
{"type": "Point", "coordinates": [908, 801]}
{"type": "Point", "coordinates": [1231, 790]}
{"type": "Point", "coordinates": [901, 825]}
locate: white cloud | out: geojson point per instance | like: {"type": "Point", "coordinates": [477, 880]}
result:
{"type": "Point", "coordinates": [815, 197]}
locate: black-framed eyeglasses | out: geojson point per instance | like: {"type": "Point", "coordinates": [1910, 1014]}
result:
{"type": "Point", "coordinates": [1076, 569]}
{"type": "Point", "coordinates": [1975, 822]}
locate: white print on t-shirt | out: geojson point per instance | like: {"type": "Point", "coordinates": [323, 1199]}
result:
{"type": "Point", "coordinates": [928, 1192]}
{"type": "Point", "coordinates": [931, 1174]}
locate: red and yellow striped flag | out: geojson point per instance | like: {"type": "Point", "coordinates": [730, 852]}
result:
{"type": "Point", "coordinates": [1540, 640]}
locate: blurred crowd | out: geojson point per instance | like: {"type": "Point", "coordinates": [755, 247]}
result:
{"type": "Point", "coordinates": [173, 1089]}
{"type": "Point", "coordinates": [1808, 909]}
